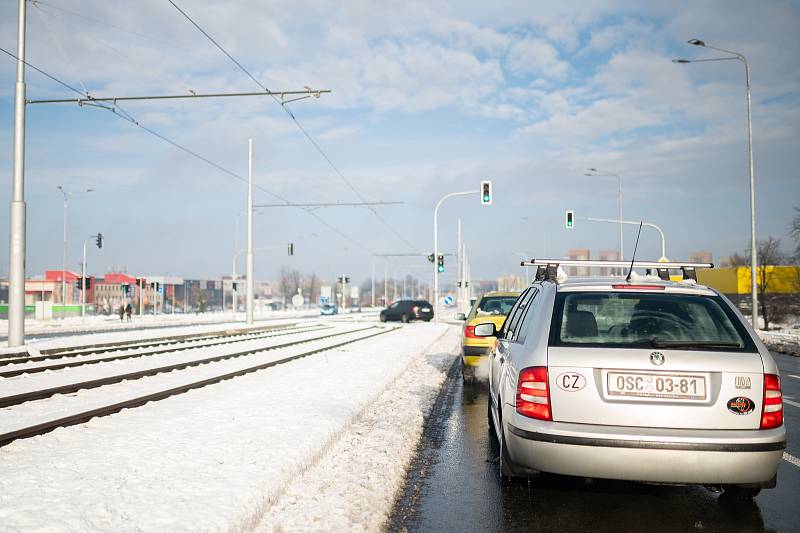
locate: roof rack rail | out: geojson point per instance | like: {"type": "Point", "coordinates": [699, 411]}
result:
{"type": "Point", "coordinates": [547, 269]}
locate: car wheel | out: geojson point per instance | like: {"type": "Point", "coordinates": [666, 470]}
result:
{"type": "Point", "coordinates": [738, 492]}
{"type": "Point", "coordinates": [489, 418]}
{"type": "Point", "coordinates": [467, 374]}
{"type": "Point", "coordinates": [404, 318]}
{"type": "Point", "coordinates": [383, 318]}
{"type": "Point", "coordinates": [507, 470]}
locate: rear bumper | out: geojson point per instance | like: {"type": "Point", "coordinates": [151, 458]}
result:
{"type": "Point", "coordinates": [472, 354]}
{"type": "Point", "coordinates": [657, 455]}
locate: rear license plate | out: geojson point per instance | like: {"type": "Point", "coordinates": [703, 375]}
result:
{"type": "Point", "coordinates": [426, 309]}
{"type": "Point", "coordinates": [667, 386]}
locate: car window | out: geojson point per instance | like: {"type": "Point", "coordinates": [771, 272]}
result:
{"type": "Point", "coordinates": [495, 305]}
{"type": "Point", "coordinates": [394, 305]}
{"type": "Point", "coordinates": [527, 316]}
{"type": "Point", "coordinates": [514, 320]}
{"type": "Point", "coordinates": [646, 320]}
{"type": "Point", "coordinates": [507, 331]}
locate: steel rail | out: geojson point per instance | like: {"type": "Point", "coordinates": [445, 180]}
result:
{"type": "Point", "coordinates": [23, 397]}
{"type": "Point", "coordinates": [77, 351]}
{"type": "Point", "coordinates": [227, 340]}
{"type": "Point", "coordinates": [85, 416]}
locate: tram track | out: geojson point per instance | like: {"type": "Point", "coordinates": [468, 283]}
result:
{"type": "Point", "coordinates": [141, 399]}
{"type": "Point", "coordinates": [163, 348]}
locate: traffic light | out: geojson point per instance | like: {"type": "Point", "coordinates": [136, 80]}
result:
{"type": "Point", "coordinates": [440, 263]}
{"type": "Point", "coordinates": [234, 285]}
{"type": "Point", "coordinates": [291, 248]}
{"type": "Point", "coordinates": [431, 257]}
{"type": "Point", "coordinates": [98, 240]}
{"type": "Point", "coordinates": [344, 280]}
{"type": "Point", "coordinates": [140, 282]}
{"type": "Point", "coordinates": [486, 192]}
{"type": "Point", "coordinates": [87, 283]}
{"type": "Point", "coordinates": [125, 288]}
{"type": "Point", "coordinates": [78, 284]}
{"type": "Point", "coordinates": [570, 219]}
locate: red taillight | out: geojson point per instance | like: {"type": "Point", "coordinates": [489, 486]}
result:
{"type": "Point", "coordinates": [469, 332]}
{"type": "Point", "coordinates": [415, 309]}
{"type": "Point", "coordinates": [533, 396]}
{"type": "Point", "coordinates": [772, 408]}
{"type": "Point", "coordinates": [639, 287]}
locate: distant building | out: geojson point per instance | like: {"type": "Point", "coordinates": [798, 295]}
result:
{"type": "Point", "coordinates": [511, 282]}
{"type": "Point", "coordinates": [578, 254]}
{"type": "Point", "coordinates": [700, 257]}
{"type": "Point", "coordinates": [609, 255]}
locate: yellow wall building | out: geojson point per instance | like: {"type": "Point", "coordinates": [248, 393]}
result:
{"type": "Point", "coordinates": [736, 280]}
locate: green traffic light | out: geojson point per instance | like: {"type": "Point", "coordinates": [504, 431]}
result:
{"type": "Point", "coordinates": [485, 197]}
{"type": "Point", "coordinates": [441, 269]}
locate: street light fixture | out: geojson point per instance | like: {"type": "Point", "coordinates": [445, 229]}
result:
{"type": "Point", "coordinates": [595, 172]}
{"type": "Point", "coordinates": [753, 252]}
{"type": "Point", "coordinates": [66, 195]}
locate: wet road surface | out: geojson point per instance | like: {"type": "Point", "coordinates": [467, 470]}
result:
{"type": "Point", "coordinates": [454, 485]}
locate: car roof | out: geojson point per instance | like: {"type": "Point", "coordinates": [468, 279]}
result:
{"type": "Point", "coordinates": [607, 284]}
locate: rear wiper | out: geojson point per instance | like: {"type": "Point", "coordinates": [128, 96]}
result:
{"type": "Point", "coordinates": [658, 343]}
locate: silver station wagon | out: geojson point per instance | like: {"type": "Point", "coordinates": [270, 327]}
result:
{"type": "Point", "coordinates": [643, 379]}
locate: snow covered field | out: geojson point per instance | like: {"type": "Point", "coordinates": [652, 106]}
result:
{"type": "Point", "coordinates": [320, 443]}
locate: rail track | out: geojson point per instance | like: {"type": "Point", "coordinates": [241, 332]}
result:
{"type": "Point", "coordinates": [160, 347]}
{"type": "Point", "coordinates": [136, 400]}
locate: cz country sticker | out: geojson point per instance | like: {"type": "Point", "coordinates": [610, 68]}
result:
{"type": "Point", "coordinates": [741, 405]}
{"type": "Point", "coordinates": [570, 382]}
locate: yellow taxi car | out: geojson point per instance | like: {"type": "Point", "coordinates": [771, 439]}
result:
{"type": "Point", "coordinates": [491, 307]}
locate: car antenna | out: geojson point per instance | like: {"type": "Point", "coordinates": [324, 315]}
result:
{"type": "Point", "coordinates": [630, 271]}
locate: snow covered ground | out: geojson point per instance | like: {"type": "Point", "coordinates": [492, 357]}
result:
{"type": "Point", "coordinates": [36, 329]}
{"type": "Point", "coordinates": [320, 443]}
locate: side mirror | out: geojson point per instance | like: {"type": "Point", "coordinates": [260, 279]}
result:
{"type": "Point", "coordinates": [460, 316]}
{"type": "Point", "coordinates": [486, 330]}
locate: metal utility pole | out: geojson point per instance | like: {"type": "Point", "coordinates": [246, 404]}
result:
{"type": "Point", "coordinates": [83, 272]}
{"type": "Point", "coordinates": [595, 172]}
{"type": "Point", "coordinates": [16, 256]}
{"type": "Point", "coordinates": [458, 268]}
{"type": "Point", "coordinates": [386, 283]}
{"type": "Point", "coordinates": [66, 195]}
{"type": "Point", "coordinates": [436, 248]}
{"type": "Point", "coordinates": [250, 284]}
{"type": "Point", "coordinates": [373, 282]}
{"type": "Point", "coordinates": [753, 249]}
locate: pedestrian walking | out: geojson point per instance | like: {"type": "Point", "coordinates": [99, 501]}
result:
{"type": "Point", "coordinates": [128, 311]}
{"type": "Point", "coordinates": [121, 312]}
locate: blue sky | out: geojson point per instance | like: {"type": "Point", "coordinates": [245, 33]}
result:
{"type": "Point", "coordinates": [428, 98]}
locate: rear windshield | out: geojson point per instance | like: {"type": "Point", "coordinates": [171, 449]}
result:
{"type": "Point", "coordinates": [647, 320]}
{"type": "Point", "coordinates": [495, 305]}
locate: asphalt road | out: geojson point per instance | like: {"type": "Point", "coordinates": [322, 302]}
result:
{"type": "Point", "coordinates": [453, 484]}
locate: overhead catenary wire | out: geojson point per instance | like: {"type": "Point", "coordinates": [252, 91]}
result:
{"type": "Point", "coordinates": [118, 111]}
{"type": "Point", "coordinates": [288, 111]}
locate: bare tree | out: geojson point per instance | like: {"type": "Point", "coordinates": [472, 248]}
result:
{"type": "Point", "coordinates": [794, 232]}
{"type": "Point", "coordinates": [290, 280]}
{"type": "Point", "coordinates": [770, 255]}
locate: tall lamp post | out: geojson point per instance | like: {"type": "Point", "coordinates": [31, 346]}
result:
{"type": "Point", "coordinates": [595, 172]}
{"type": "Point", "coordinates": [753, 251]}
{"type": "Point", "coordinates": [436, 248]}
{"type": "Point", "coordinates": [66, 195]}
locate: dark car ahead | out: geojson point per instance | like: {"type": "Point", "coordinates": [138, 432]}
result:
{"type": "Point", "coordinates": [408, 310]}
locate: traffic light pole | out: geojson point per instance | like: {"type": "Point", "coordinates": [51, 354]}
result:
{"type": "Point", "coordinates": [436, 247]}
{"type": "Point", "coordinates": [250, 284]}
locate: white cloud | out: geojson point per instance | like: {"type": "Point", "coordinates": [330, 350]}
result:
{"type": "Point", "coordinates": [536, 56]}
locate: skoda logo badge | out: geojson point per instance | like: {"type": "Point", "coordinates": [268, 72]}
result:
{"type": "Point", "coordinates": [657, 358]}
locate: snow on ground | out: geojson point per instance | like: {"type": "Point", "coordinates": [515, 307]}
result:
{"type": "Point", "coordinates": [37, 329]}
{"type": "Point", "coordinates": [218, 458]}
{"type": "Point", "coordinates": [354, 485]}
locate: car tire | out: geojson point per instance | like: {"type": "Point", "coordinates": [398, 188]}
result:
{"type": "Point", "coordinates": [737, 492]}
{"type": "Point", "coordinates": [404, 318]}
{"type": "Point", "coordinates": [383, 318]}
{"type": "Point", "coordinates": [489, 417]}
{"type": "Point", "coordinates": [506, 468]}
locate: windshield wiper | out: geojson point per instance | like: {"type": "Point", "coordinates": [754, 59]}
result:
{"type": "Point", "coordinates": [658, 343]}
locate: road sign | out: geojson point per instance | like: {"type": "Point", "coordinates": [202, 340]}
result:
{"type": "Point", "coordinates": [161, 290]}
{"type": "Point", "coordinates": [448, 300]}
{"type": "Point", "coordinates": [297, 300]}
